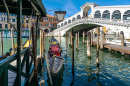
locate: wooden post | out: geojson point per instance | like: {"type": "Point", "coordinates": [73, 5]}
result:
{"type": "Point", "coordinates": [122, 38]}
{"type": "Point", "coordinates": [41, 43]}
{"type": "Point", "coordinates": [91, 38]}
{"type": "Point", "coordinates": [72, 54]}
{"type": "Point", "coordinates": [89, 44]}
{"type": "Point", "coordinates": [12, 32]}
{"type": "Point", "coordinates": [35, 58]}
{"type": "Point", "coordinates": [71, 38]}
{"type": "Point", "coordinates": [59, 39]}
{"type": "Point", "coordinates": [102, 40]}
{"type": "Point", "coordinates": [83, 36]}
{"type": "Point", "coordinates": [78, 42]}
{"type": "Point", "coordinates": [1, 43]}
{"type": "Point", "coordinates": [97, 46]}
{"type": "Point", "coordinates": [44, 41]}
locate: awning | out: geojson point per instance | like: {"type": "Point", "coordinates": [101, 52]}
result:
{"type": "Point", "coordinates": [27, 7]}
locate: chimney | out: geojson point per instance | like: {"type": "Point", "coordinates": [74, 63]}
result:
{"type": "Point", "coordinates": [54, 15]}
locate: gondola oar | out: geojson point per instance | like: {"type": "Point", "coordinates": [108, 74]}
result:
{"type": "Point", "coordinates": [48, 66]}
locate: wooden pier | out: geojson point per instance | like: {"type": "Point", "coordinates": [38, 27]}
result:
{"type": "Point", "coordinates": [118, 48]}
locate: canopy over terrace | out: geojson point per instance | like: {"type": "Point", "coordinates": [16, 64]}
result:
{"type": "Point", "coordinates": [27, 7]}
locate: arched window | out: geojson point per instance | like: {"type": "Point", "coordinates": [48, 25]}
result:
{"type": "Point", "coordinates": [78, 17]}
{"type": "Point", "coordinates": [65, 23]}
{"type": "Point", "coordinates": [126, 15]}
{"type": "Point", "coordinates": [116, 14]}
{"type": "Point", "coordinates": [73, 18]}
{"type": "Point", "coordinates": [58, 26]}
{"type": "Point", "coordinates": [97, 14]}
{"type": "Point", "coordinates": [61, 24]}
{"type": "Point", "coordinates": [69, 21]}
{"type": "Point", "coordinates": [106, 14]}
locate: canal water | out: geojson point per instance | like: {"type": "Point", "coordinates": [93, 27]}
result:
{"type": "Point", "coordinates": [114, 68]}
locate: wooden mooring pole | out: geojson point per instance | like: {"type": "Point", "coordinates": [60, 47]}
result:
{"type": "Point", "coordinates": [91, 38]}
{"type": "Point", "coordinates": [89, 44]}
{"type": "Point", "coordinates": [12, 33]}
{"type": "Point", "coordinates": [35, 58]}
{"type": "Point", "coordinates": [78, 41]}
{"type": "Point", "coordinates": [72, 54]}
{"type": "Point", "coordinates": [122, 38]}
{"type": "Point", "coordinates": [97, 46]}
{"type": "Point", "coordinates": [71, 37]}
{"type": "Point", "coordinates": [43, 46]}
{"type": "Point", "coordinates": [83, 36]}
{"type": "Point", "coordinates": [41, 43]}
{"type": "Point", "coordinates": [1, 43]}
{"type": "Point", "coordinates": [102, 40]}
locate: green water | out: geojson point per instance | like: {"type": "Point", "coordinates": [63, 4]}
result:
{"type": "Point", "coordinates": [114, 68]}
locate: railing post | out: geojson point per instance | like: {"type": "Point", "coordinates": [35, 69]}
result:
{"type": "Point", "coordinates": [19, 16]}
{"type": "Point", "coordinates": [1, 43]}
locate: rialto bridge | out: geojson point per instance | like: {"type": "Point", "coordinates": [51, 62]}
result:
{"type": "Point", "coordinates": [115, 18]}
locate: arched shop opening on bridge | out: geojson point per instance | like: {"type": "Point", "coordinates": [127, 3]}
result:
{"type": "Point", "coordinates": [69, 21]}
{"type": "Point", "coordinates": [61, 24]}
{"type": "Point", "coordinates": [78, 17]}
{"type": "Point", "coordinates": [73, 19]}
{"type": "Point", "coordinates": [65, 23]}
{"type": "Point", "coordinates": [97, 14]}
{"type": "Point", "coordinates": [126, 15]}
{"type": "Point", "coordinates": [116, 14]}
{"type": "Point", "coordinates": [106, 14]}
{"type": "Point", "coordinates": [87, 11]}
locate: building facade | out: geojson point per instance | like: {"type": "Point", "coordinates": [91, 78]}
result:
{"type": "Point", "coordinates": [48, 23]}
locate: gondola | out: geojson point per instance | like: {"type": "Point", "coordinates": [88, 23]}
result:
{"type": "Point", "coordinates": [54, 59]}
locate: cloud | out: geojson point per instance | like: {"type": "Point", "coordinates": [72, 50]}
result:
{"type": "Point", "coordinates": [69, 7]}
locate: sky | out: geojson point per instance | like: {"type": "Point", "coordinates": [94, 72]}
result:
{"type": "Point", "coordinates": [73, 6]}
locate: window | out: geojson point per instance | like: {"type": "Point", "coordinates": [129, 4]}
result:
{"type": "Point", "coordinates": [1, 19]}
{"type": "Point", "coordinates": [11, 26]}
{"type": "Point", "coordinates": [52, 25]}
{"type": "Point", "coordinates": [5, 19]}
{"type": "Point", "coordinates": [13, 20]}
{"type": "Point", "coordinates": [6, 25]}
{"type": "Point", "coordinates": [1, 13]}
{"type": "Point", "coordinates": [53, 19]}
{"type": "Point", "coordinates": [22, 21]}
{"type": "Point", "coordinates": [46, 18]}
{"type": "Point", "coordinates": [27, 21]}
{"type": "Point", "coordinates": [46, 24]}
{"type": "Point", "coordinates": [13, 14]}
{"type": "Point", "coordinates": [41, 24]}
{"type": "Point", "coordinates": [5, 14]}
{"type": "Point", "coordinates": [0, 25]}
